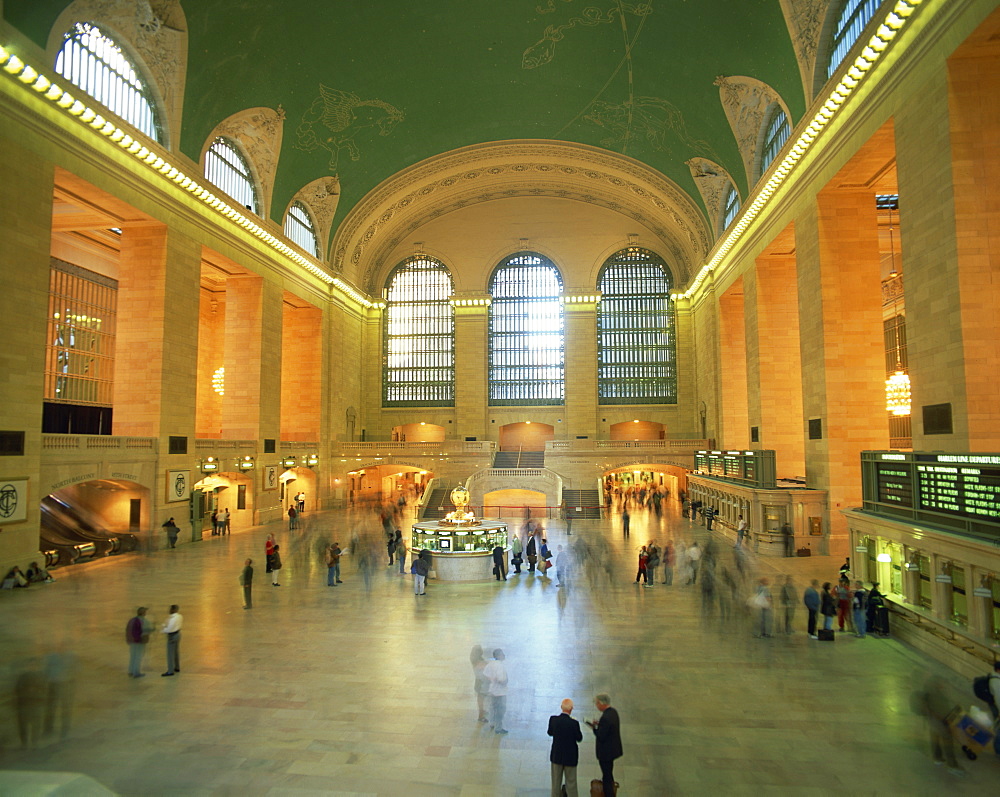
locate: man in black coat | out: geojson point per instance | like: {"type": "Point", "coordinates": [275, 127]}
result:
{"type": "Point", "coordinates": [499, 565]}
{"type": "Point", "coordinates": [566, 735]}
{"type": "Point", "coordinates": [609, 741]}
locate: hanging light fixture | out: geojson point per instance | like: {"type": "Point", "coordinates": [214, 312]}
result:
{"type": "Point", "coordinates": [897, 386]}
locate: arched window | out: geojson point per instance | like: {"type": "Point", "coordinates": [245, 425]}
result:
{"type": "Point", "coordinates": [636, 346]}
{"type": "Point", "coordinates": [527, 339]}
{"type": "Point", "coordinates": [730, 208]}
{"type": "Point", "coordinates": [854, 16]}
{"type": "Point", "coordinates": [229, 171]}
{"type": "Point", "coordinates": [94, 62]}
{"type": "Point", "coordinates": [775, 137]}
{"type": "Point", "coordinates": [419, 336]}
{"type": "Point", "coordinates": [299, 228]}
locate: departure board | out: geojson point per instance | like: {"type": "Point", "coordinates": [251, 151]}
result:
{"type": "Point", "coordinates": [924, 484]}
{"type": "Point", "coordinates": [752, 468]}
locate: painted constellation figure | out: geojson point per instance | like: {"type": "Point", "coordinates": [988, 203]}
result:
{"type": "Point", "coordinates": [543, 51]}
{"type": "Point", "coordinates": [651, 118]}
{"type": "Point", "coordinates": [336, 118]}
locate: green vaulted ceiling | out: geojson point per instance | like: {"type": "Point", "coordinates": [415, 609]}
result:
{"type": "Point", "coordinates": [369, 88]}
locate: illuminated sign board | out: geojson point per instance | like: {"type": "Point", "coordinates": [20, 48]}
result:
{"type": "Point", "coordinates": [751, 468]}
{"type": "Point", "coordinates": [941, 489]}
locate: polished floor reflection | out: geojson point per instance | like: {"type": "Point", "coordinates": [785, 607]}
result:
{"type": "Point", "coordinates": [364, 689]}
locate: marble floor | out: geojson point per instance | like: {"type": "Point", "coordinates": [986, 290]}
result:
{"type": "Point", "coordinates": [365, 689]}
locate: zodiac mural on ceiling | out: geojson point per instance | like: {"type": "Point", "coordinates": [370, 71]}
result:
{"type": "Point", "coordinates": [543, 51]}
{"type": "Point", "coordinates": [648, 118]}
{"type": "Point", "coordinates": [337, 118]}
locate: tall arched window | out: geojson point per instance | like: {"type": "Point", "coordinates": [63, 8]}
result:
{"type": "Point", "coordinates": [228, 170]}
{"type": "Point", "coordinates": [527, 338]}
{"type": "Point", "coordinates": [778, 130]}
{"type": "Point", "coordinates": [730, 208]}
{"type": "Point", "coordinates": [299, 228]}
{"type": "Point", "coordinates": [94, 62]}
{"type": "Point", "coordinates": [419, 336]}
{"type": "Point", "coordinates": [854, 16]}
{"type": "Point", "coordinates": [636, 346]}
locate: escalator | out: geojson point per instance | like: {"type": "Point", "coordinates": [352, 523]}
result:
{"type": "Point", "coordinates": [76, 535]}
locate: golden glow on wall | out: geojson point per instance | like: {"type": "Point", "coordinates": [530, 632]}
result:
{"type": "Point", "coordinates": [891, 25]}
{"type": "Point", "coordinates": [89, 117]}
{"type": "Point", "coordinates": [219, 381]}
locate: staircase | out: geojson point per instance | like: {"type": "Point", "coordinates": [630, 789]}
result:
{"type": "Point", "coordinates": [438, 505]}
{"type": "Point", "coordinates": [590, 500]}
{"type": "Point", "coordinates": [509, 460]}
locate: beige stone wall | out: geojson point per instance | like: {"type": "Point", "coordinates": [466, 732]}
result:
{"type": "Point", "coordinates": [302, 376]}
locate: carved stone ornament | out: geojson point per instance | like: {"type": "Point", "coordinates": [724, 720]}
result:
{"type": "Point", "coordinates": [479, 173]}
{"type": "Point", "coordinates": [156, 30]}
{"type": "Point", "coordinates": [321, 197]}
{"type": "Point", "coordinates": [713, 183]}
{"type": "Point", "coordinates": [746, 102]}
{"type": "Point", "coordinates": [258, 131]}
{"type": "Point", "coordinates": [804, 19]}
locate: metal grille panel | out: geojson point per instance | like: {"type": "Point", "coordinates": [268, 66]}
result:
{"type": "Point", "coordinates": [419, 354]}
{"type": "Point", "coordinates": [636, 345]}
{"type": "Point", "coordinates": [228, 170]}
{"type": "Point", "coordinates": [855, 15]}
{"type": "Point", "coordinates": [300, 229]}
{"type": "Point", "coordinates": [527, 333]}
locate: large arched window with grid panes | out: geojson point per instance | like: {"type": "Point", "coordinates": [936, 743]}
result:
{"type": "Point", "coordinates": [95, 63]}
{"type": "Point", "coordinates": [775, 135]}
{"type": "Point", "coordinates": [636, 344]}
{"type": "Point", "coordinates": [731, 207]}
{"type": "Point", "coordinates": [419, 365]}
{"type": "Point", "coordinates": [300, 229]}
{"type": "Point", "coordinates": [853, 18]}
{"type": "Point", "coordinates": [228, 170]}
{"type": "Point", "coordinates": [527, 332]}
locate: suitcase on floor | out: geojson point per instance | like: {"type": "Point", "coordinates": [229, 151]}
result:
{"type": "Point", "coordinates": [826, 634]}
{"type": "Point", "coordinates": [597, 788]}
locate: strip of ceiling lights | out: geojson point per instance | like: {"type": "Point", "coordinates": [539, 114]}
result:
{"type": "Point", "coordinates": [87, 116]}
{"type": "Point", "coordinates": [890, 27]}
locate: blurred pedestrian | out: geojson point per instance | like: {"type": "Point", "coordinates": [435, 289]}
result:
{"type": "Point", "coordinates": [812, 602]}
{"type": "Point", "coordinates": [137, 636]}
{"type": "Point", "coordinates": [172, 531]}
{"type": "Point", "coordinates": [643, 562]}
{"type": "Point", "coordinates": [480, 683]}
{"type": "Point", "coordinates": [275, 565]}
{"type": "Point", "coordinates": [937, 702]}
{"type": "Point", "coordinates": [626, 521]}
{"type": "Point", "coordinates": [764, 604]}
{"type": "Point", "coordinates": [246, 582]}
{"type": "Point", "coordinates": [788, 600]}
{"type": "Point", "coordinates": [828, 607]}
{"type": "Point", "coordinates": [496, 672]}
{"type": "Point", "coordinates": [652, 562]}
{"type": "Point", "coordinates": [859, 606]}
{"type": "Point", "coordinates": [332, 558]}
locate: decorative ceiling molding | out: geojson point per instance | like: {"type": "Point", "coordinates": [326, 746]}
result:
{"type": "Point", "coordinates": [712, 181]}
{"type": "Point", "coordinates": [804, 19]}
{"type": "Point", "coordinates": [258, 131]}
{"type": "Point", "coordinates": [156, 30]}
{"type": "Point", "coordinates": [527, 168]}
{"type": "Point", "coordinates": [747, 102]}
{"type": "Point", "coordinates": [321, 197]}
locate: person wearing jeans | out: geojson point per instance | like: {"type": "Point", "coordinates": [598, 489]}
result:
{"type": "Point", "coordinates": [811, 599]}
{"type": "Point", "coordinates": [828, 607]}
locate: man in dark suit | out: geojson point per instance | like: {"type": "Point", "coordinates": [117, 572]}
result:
{"type": "Point", "coordinates": [566, 735]}
{"type": "Point", "coordinates": [609, 741]}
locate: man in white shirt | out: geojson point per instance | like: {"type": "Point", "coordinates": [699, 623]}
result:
{"type": "Point", "coordinates": [172, 628]}
{"type": "Point", "coordinates": [496, 672]}
{"type": "Point", "coordinates": [741, 531]}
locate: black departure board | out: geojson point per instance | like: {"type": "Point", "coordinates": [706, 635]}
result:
{"type": "Point", "coordinates": [752, 468]}
{"type": "Point", "coordinates": [924, 485]}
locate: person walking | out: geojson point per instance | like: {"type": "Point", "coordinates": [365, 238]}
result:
{"type": "Point", "coordinates": [172, 531]}
{"type": "Point", "coordinates": [788, 601]}
{"type": "Point", "coordinates": [137, 636]}
{"type": "Point", "coordinates": [693, 562]}
{"type": "Point", "coordinates": [764, 603]}
{"type": "Point", "coordinates": [859, 605]}
{"type": "Point", "coordinates": [626, 522]}
{"type": "Point", "coordinates": [499, 565]}
{"type": "Point", "coordinates": [420, 568]}
{"type": "Point", "coordinates": [496, 672]}
{"type": "Point", "coordinates": [565, 753]}
{"type": "Point", "coordinates": [515, 554]}
{"type": "Point", "coordinates": [227, 521]}
{"type": "Point", "coordinates": [667, 559]}
{"type": "Point", "coordinates": [643, 562]}
{"type": "Point", "coordinates": [607, 732]}
{"type": "Point", "coordinates": [275, 565]}
{"type": "Point", "coordinates": [652, 562]}
{"type": "Point", "coordinates": [332, 559]}
{"type": "Point", "coordinates": [172, 628]}
{"type": "Point", "coordinates": [215, 522]}
{"type": "Point", "coordinates": [480, 683]}
{"type": "Point", "coordinates": [246, 581]}
{"type": "Point", "coordinates": [828, 607]}
{"type": "Point", "coordinates": [401, 552]}
{"type": "Point", "coordinates": [741, 531]}
{"type": "Point", "coordinates": [292, 518]}
{"type": "Point", "coordinates": [811, 599]}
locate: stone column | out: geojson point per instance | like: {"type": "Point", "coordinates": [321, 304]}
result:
{"type": "Point", "coordinates": [471, 365]}
{"type": "Point", "coordinates": [581, 366]}
{"type": "Point", "coordinates": [301, 335]}
{"type": "Point", "coordinates": [733, 369]}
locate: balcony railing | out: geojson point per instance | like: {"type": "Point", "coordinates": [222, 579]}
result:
{"type": "Point", "coordinates": [64, 442]}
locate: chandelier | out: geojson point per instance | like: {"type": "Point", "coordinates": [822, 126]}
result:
{"type": "Point", "coordinates": [897, 393]}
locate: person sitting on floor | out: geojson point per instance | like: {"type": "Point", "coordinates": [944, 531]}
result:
{"type": "Point", "coordinates": [37, 573]}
